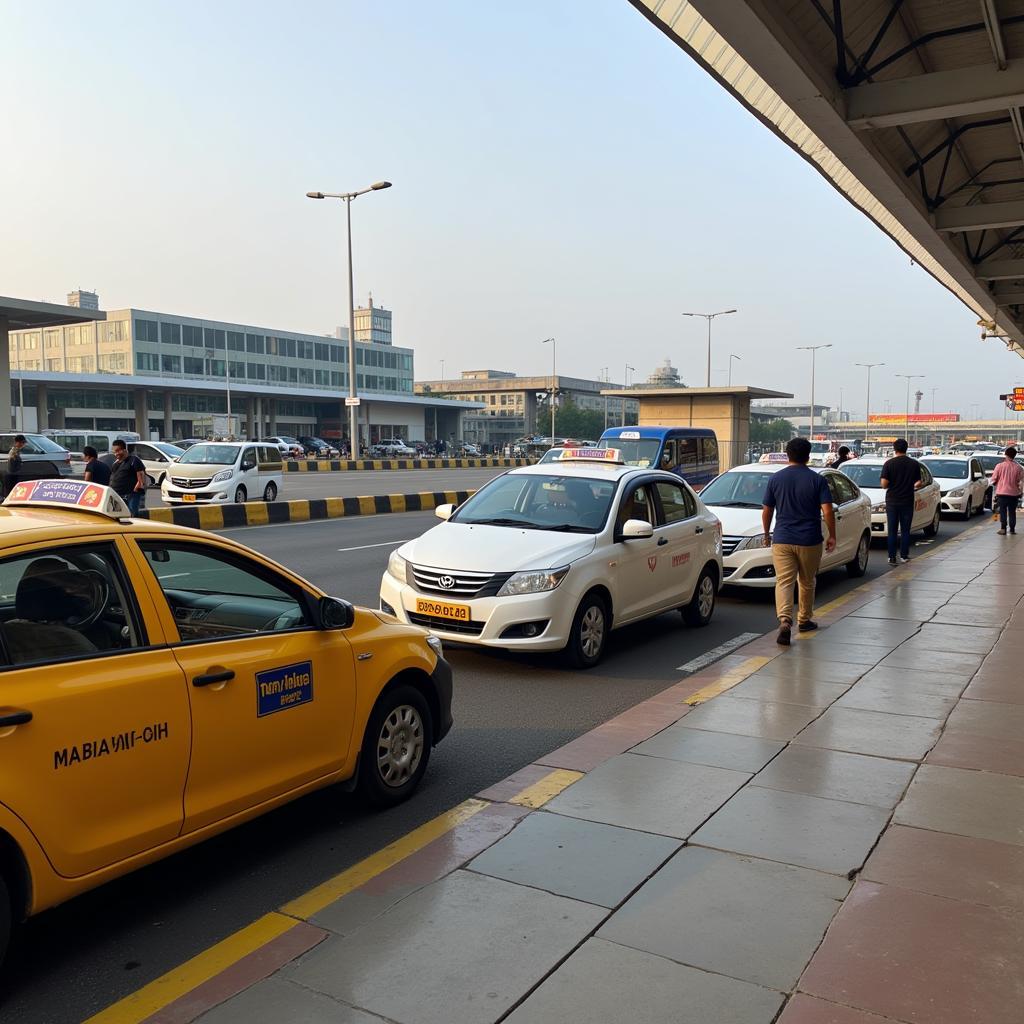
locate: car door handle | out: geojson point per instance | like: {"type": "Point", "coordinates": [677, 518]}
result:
{"type": "Point", "coordinates": [700, 529]}
{"type": "Point", "coordinates": [224, 676]}
{"type": "Point", "coordinates": [662, 540]}
{"type": "Point", "coordinates": [14, 716]}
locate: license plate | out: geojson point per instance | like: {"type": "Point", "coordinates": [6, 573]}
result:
{"type": "Point", "coordinates": [188, 497]}
{"type": "Point", "coordinates": [443, 609]}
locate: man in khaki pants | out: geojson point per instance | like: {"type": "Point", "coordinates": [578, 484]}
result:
{"type": "Point", "coordinates": [798, 498]}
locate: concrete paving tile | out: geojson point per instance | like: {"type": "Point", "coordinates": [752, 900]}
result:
{"type": "Point", "coordinates": [901, 737]}
{"type": "Point", "coordinates": [276, 1000]}
{"type": "Point", "coordinates": [812, 693]}
{"type": "Point", "coordinates": [794, 828]}
{"type": "Point", "coordinates": [718, 749]}
{"type": "Point", "coordinates": [948, 662]}
{"type": "Point", "coordinates": [651, 794]}
{"type": "Point", "coordinates": [967, 803]}
{"type": "Point", "coordinates": [605, 983]}
{"type": "Point", "coordinates": [835, 775]}
{"type": "Point", "coordinates": [803, 1009]}
{"type": "Point", "coordinates": [580, 859]}
{"type": "Point", "coordinates": [967, 615]}
{"type": "Point", "coordinates": [853, 654]}
{"type": "Point", "coordinates": [987, 718]}
{"type": "Point", "coordinates": [971, 639]}
{"type": "Point", "coordinates": [918, 680]}
{"type": "Point", "coordinates": [816, 671]}
{"type": "Point", "coordinates": [920, 958]}
{"type": "Point", "coordinates": [438, 956]}
{"type": "Point", "coordinates": [746, 918]}
{"type": "Point", "coordinates": [769, 720]}
{"type": "Point", "coordinates": [957, 867]}
{"type": "Point", "coordinates": [964, 750]}
{"type": "Point", "coordinates": [897, 608]}
{"type": "Point", "coordinates": [892, 698]}
{"type": "Point", "coordinates": [850, 630]}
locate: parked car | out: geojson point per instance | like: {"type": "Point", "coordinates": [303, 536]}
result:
{"type": "Point", "coordinates": [224, 471]}
{"type": "Point", "coordinates": [866, 473]}
{"type": "Point", "coordinates": [157, 456]}
{"type": "Point", "coordinates": [318, 446]}
{"type": "Point", "coordinates": [392, 448]}
{"type": "Point", "coordinates": [289, 447]}
{"type": "Point", "coordinates": [965, 488]}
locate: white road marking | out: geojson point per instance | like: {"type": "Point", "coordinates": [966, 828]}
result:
{"type": "Point", "coordinates": [382, 544]}
{"type": "Point", "coordinates": [717, 652]}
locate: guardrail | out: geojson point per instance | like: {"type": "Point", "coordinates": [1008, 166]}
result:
{"type": "Point", "coordinates": [357, 465]}
{"type": "Point", "coordinates": [258, 513]}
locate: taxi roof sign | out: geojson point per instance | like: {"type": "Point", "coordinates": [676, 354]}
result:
{"type": "Point", "coordinates": [79, 494]}
{"type": "Point", "coordinates": [612, 456]}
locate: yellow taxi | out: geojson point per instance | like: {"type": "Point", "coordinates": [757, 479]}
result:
{"type": "Point", "coordinates": [159, 685]}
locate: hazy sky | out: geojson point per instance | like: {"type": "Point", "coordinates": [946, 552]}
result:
{"type": "Point", "coordinates": [559, 167]}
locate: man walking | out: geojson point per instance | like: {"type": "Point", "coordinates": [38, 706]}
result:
{"type": "Point", "coordinates": [14, 463]}
{"type": "Point", "coordinates": [901, 477]}
{"type": "Point", "coordinates": [798, 497]}
{"type": "Point", "coordinates": [1008, 484]}
{"type": "Point", "coordinates": [128, 477]}
{"type": "Point", "coordinates": [96, 472]}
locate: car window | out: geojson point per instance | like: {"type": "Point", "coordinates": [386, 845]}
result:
{"type": "Point", "coordinates": [636, 503]}
{"type": "Point", "coordinates": [709, 448]}
{"type": "Point", "coordinates": [66, 603]}
{"type": "Point", "coordinates": [144, 451]}
{"type": "Point", "coordinates": [832, 479]}
{"type": "Point", "coordinates": [686, 452]}
{"type": "Point", "coordinates": [677, 502]}
{"type": "Point", "coordinates": [926, 476]}
{"type": "Point", "coordinates": [249, 457]}
{"type": "Point", "coordinates": [216, 595]}
{"type": "Point", "coordinates": [845, 487]}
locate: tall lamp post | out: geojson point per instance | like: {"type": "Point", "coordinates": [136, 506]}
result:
{"type": "Point", "coordinates": [353, 395]}
{"type": "Point", "coordinates": [867, 397]}
{"type": "Point", "coordinates": [909, 377]}
{"type": "Point", "coordinates": [813, 349]}
{"type": "Point", "coordinates": [709, 317]}
{"type": "Point", "coordinates": [625, 380]}
{"type": "Point", "coordinates": [731, 358]}
{"type": "Point", "coordinates": [551, 341]}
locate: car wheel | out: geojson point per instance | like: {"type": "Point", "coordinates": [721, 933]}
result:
{"type": "Point", "coordinates": [986, 503]}
{"type": "Point", "coordinates": [240, 495]}
{"type": "Point", "coordinates": [589, 632]}
{"type": "Point", "coordinates": [5, 918]}
{"type": "Point", "coordinates": [702, 605]}
{"type": "Point", "coordinates": [858, 565]}
{"type": "Point", "coordinates": [969, 510]}
{"type": "Point", "coordinates": [396, 747]}
{"type": "Point", "coordinates": [270, 492]}
{"type": "Point", "coordinates": [933, 527]}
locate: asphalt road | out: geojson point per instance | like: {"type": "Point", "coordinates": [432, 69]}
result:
{"type": "Point", "coordinates": [76, 959]}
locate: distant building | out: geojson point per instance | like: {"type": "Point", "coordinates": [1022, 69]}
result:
{"type": "Point", "coordinates": [373, 324]}
{"type": "Point", "coordinates": [797, 414]}
{"type": "Point", "coordinates": [665, 376]}
{"type": "Point", "coordinates": [84, 300]}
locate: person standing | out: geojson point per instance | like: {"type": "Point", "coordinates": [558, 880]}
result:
{"type": "Point", "coordinates": [96, 472]}
{"type": "Point", "coordinates": [798, 497]}
{"type": "Point", "coordinates": [842, 456]}
{"type": "Point", "coordinates": [128, 477]}
{"type": "Point", "coordinates": [14, 463]}
{"type": "Point", "coordinates": [1008, 485]}
{"type": "Point", "coordinates": [901, 478]}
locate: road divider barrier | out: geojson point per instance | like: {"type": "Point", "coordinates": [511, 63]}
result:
{"type": "Point", "coordinates": [357, 465]}
{"type": "Point", "coordinates": [259, 513]}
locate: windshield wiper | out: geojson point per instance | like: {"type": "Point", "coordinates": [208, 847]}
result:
{"type": "Point", "coordinates": [735, 504]}
{"type": "Point", "coordinates": [567, 528]}
{"type": "Point", "coordinates": [525, 523]}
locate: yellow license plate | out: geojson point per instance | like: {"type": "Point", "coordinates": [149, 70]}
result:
{"type": "Point", "coordinates": [443, 609]}
{"type": "Point", "coordinates": [188, 497]}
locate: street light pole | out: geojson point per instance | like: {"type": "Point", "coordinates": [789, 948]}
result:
{"type": "Point", "coordinates": [625, 378]}
{"type": "Point", "coordinates": [346, 198]}
{"type": "Point", "coordinates": [813, 349]}
{"type": "Point", "coordinates": [909, 377]}
{"type": "Point", "coordinates": [709, 317]}
{"type": "Point", "coordinates": [731, 358]}
{"type": "Point", "coordinates": [867, 398]}
{"type": "Point", "coordinates": [553, 378]}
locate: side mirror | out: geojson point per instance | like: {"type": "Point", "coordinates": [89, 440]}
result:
{"type": "Point", "coordinates": [248, 465]}
{"type": "Point", "coordinates": [444, 511]}
{"type": "Point", "coordinates": [636, 529]}
{"type": "Point", "coordinates": [333, 613]}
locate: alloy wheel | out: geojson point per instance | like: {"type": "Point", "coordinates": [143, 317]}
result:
{"type": "Point", "coordinates": [592, 631]}
{"type": "Point", "coordinates": [400, 746]}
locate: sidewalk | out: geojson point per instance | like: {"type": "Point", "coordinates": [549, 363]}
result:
{"type": "Point", "coordinates": [834, 831]}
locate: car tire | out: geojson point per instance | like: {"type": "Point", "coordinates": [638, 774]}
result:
{"type": "Point", "coordinates": [858, 565]}
{"type": "Point", "coordinates": [588, 636]}
{"type": "Point", "coordinates": [986, 503]}
{"type": "Point", "coordinates": [933, 527]}
{"type": "Point", "coordinates": [240, 494]}
{"type": "Point", "coordinates": [5, 919]}
{"type": "Point", "coordinates": [969, 510]}
{"type": "Point", "coordinates": [270, 492]}
{"type": "Point", "coordinates": [396, 747]}
{"type": "Point", "coordinates": [702, 605]}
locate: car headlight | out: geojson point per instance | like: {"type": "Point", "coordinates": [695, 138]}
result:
{"type": "Point", "coordinates": [878, 508]}
{"type": "Point", "coordinates": [534, 582]}
{"type": "Point", "coordinates": [958, 493]}
{"type": "Point", "coordinates": [749, 543]}
{"type": "Point", "coordinates": [222, 476]}
{"type": "Point", "coordinates": [398, 567]}
{"type": "Point", "coordinates": [434, 643]}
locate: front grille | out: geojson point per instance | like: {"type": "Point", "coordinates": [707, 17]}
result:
{"type": "Point", "coordinates": [180, 481]}
{"type": "Point", "coordinates": [729, 544]}
{"type": "Point", "coordinates": [447, 625]}
{"type": "Point", "coordinates": [463, 584]}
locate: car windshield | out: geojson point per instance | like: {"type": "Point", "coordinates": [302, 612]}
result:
{"type": "Point", "coordinates": [552, 455]}
{"type": "Point", "coordinates": [820, 447]}
{"type": "Point", "coordinates": [533, 502]}
{"type": "Point", "coordinates": [739, 490]}
{"type": "Point", "coordinates": [210, 455]}
{"type": "Point", "coordinates": [642, 453]}
{"type": "Point", "coordinates": [170, 450]}
{"type": "Point", "coordinates": [46, 445]}
{"type": "Point", "coordinates": [863, 475]}
{"type": "Point", "coordinates": [951, 469]}
{"type": "Point", "coordinates": [989, 462]}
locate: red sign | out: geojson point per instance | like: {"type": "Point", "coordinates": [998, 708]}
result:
{"type": "Point", "coordinates": [895, 418]}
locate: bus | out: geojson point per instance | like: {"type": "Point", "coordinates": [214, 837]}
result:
{"type": "Point", "coordinates": [689, 452]}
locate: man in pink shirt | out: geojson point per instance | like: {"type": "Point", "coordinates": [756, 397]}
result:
{"type": "Point", "coordinates": [1007, 481]}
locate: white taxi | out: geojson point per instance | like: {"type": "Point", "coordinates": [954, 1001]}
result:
{"type": "Point", "coordinates": [962, 482]}
{"type": "Point", "coordinates": [553, 557]}
{"type": "Point", "coordinates": [736, 498]}
{"type": "Point", "coordinates": [866, 473]}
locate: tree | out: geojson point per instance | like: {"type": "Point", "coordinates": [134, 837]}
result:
{"type": "Point", "coordinates": [582, 424]}
{"type": "Point", "coordinates": [771, 431]}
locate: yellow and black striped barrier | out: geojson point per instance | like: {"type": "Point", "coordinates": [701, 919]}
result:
{"type": "Point", "coordinates": [356, 465]}
{"type": "Point", "coordinates": [258, 513]}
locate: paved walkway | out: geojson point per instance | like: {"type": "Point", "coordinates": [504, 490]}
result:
{"type": "Point", "coordinates": [834, 831]}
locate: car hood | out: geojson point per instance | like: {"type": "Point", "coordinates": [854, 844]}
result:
{"type": "Point", "coordinates": [477, 548]}
{"type": "Point", "coordinates": [738, 522]}
{"type": "Point", "coordinates": [875, 495]}
{"type": "Point", "coordinates": [949, 483]}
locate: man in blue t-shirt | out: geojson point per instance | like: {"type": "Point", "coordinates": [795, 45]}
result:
{"type": "Point", "coordinates": [798, 497]}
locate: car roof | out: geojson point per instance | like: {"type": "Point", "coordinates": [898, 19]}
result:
{"type": "Point", "coordinates": [948, 458]}
{"type": "Point", "coordinates": [591, 469]}
{"type": "Point", "coordinates": [615, 433]}
{"type": "Point", "coordinates": [22, 524]}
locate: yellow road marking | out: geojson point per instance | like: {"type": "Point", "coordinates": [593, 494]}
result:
{"type": "Point", "coordinates": [729, 679]}
{"type": "Point", "coordinates": [545, 789]}
{"type": "Point", "coordinates": [206, 965]}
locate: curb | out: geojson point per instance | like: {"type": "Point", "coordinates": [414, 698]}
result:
{"type": "Point", "coordinates": [360, 465]}
{"type": "Point", "coordinates": [258, 513]}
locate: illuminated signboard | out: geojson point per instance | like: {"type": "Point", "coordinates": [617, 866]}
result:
{"type": "Point", "coordinates": [895, 419]}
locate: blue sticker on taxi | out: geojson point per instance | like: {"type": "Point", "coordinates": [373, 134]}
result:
{"type": "Point", "coordinates": [278, 689]}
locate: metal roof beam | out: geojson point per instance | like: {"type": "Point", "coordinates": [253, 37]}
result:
{"type": "Point", "coordinates": [980, 217]}
{"type": "Point", "coordinates": [1009, 296]}
{"type": "Point", "coordinates": [934, 96]}
{"type": "Point", "coordinates": [1000, 270]}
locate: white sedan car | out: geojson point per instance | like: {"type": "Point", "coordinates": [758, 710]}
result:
{"type": "Point", "coordinates": [962, 482]}
{"type": "Point", "coordinates": [736, 497]}
{"type": "Point", "coordinates": [553, 557]}
{"type": "Point", "coordinates": [867, 475]}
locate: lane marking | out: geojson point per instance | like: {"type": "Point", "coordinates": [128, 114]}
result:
{"type": "Point", "coordinates": [545, 789]}
{"type": "Point", "coordinates": [382, 544]}
{"type": "Point", "coordinates": [717, 652]}
{"type": "Point", "coordinates": [729, 679]}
